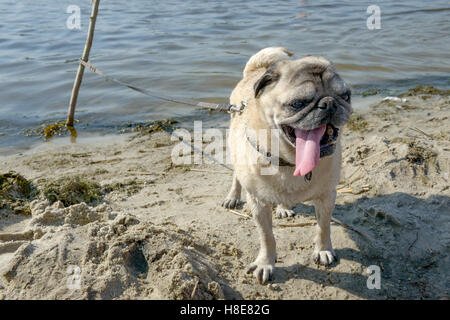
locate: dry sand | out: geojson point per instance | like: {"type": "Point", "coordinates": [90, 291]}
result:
{"type": "Point", "coordinates": [159, 231]}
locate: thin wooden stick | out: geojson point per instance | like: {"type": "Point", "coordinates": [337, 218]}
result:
{"type": "Point", "coordinates": [211, 171]}
{"type": "Point", "coordinates": [194, 290]}
{"type": "Point", "coordinates": [351, 228]}
{"type": "Point", "coordinates": [85, 58]}
{"type": "Point", "coordinates": [301, 224]}
{"type": "Point", "coordinates": [422, 132]}
{"type": "Point", "coordinates": [365, 211]}
{"type": "Point", "coordinates": [145, 173]}
{"type": "Point", "coordinates": [377, 154]}
{"type": "Point", "coordinates": [345, 190]}
{"type": "Point", "coordinates": [239, 214]}
{"type": "Point", "coordinates": [411, 245]}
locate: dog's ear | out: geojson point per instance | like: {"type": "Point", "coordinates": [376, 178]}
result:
{"type": "Point", "coordinates": [267, 78]}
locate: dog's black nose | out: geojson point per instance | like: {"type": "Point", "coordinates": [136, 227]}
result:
{"type": "Point", "coordinates": [326, 103]}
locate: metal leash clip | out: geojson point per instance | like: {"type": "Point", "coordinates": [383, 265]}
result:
{"type": "Point", "coordinates": [239, 109]}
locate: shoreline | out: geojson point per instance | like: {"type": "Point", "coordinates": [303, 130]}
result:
{"type": "Point", "coordinates": [84, 131]}
{"type": "Point", "coordinates": [154, 230]}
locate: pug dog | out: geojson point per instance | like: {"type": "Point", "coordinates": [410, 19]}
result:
{"type": "Point", "coordinates": [307, 103]}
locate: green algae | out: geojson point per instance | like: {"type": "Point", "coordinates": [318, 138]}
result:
{"type": "Point", "coordinates": [59, 129]}
{"type": "Point", "coordinates": [357, 123]}
{"type": "Point", "coordinates": [129, 187]}
{"type": "Point", "coordinates": [16, 192]}
{"type": "Point", "coordinates": [418, 154]}
{"type": "Point", "coordinates": [157, 126]}
{"type": "Point", "coordinates": [72, 190]}
{"type": "Point", "coordinates": [425, 90]}
{"type": "Point", "coordinates": [368, 93]}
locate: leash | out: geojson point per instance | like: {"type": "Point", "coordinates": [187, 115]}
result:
{"type": "Point", "coordinates": [198, 150]}
{"type": "Point", "coordinates": [221, 107]}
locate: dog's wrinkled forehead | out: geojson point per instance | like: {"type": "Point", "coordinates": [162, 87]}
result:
{"type": "Point", "coordinates": [312, 73]}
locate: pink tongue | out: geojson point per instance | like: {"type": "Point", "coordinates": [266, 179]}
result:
{"type": "Point", "coordinates": [307, 149]}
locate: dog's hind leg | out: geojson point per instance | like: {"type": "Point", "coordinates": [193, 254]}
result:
{"type": "Point", "coordinates": [234, 196]}
{"type": "Point", "coordinates": [323, 251]}
{"type": "Point", "coordinates": [263, 266]}
{"type": "Point", "coordinates": [283, 211]}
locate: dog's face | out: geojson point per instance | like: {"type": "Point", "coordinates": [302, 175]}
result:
{"type": "Point", "coordinates": [304, 94]}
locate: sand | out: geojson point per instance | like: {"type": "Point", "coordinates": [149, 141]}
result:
{"type": "Point", "coordinates": [158, 231]}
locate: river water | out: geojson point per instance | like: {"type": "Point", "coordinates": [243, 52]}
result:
{"type": "Point", "coordinates": [197, 49]}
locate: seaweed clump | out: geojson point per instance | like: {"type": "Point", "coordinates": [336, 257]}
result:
{"type": "Point", "coordinates": [72, 190]}
{"type": "Point", "coordinates": [58, 129]}
{"type": "Point", "coordinates": [368, 93]}
{"type": "Point", "coordinates": [130, 187]}
{"type": "Point", "coordinates": [425, 90]}
{"type": "Point", "coordinates": [160, 125]}
{"type": "Point", "coordinates": [357, 123]}
{"type": "Point", "coordinates": [16, 192]}
{"type": "Point", "coordinates": [418, 154]}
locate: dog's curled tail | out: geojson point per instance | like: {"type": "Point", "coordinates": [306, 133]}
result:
{"type": "Point", "coordinates": [265, 57]}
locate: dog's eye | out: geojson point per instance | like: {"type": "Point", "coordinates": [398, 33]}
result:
{"type": "Point", "coordinates": [346, 97]}
{"type": "Point", "coordinates": [298, 104]}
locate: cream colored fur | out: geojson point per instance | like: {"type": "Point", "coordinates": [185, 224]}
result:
{"type": "Point", "coordinates": [282, 188]}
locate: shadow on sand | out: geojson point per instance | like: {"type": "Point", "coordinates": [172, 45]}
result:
{"type": "Point", "coordinates": [411, 247]}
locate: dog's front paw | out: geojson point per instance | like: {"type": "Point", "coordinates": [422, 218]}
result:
{"type": "Point", "coordinates": [262, 270]}
{"type": "Point", "coordinates": [284, 212]}
{"type": "Point", "coordinates": [231, 203]}
{"type": "Point", "coordinates": [324, 257]}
